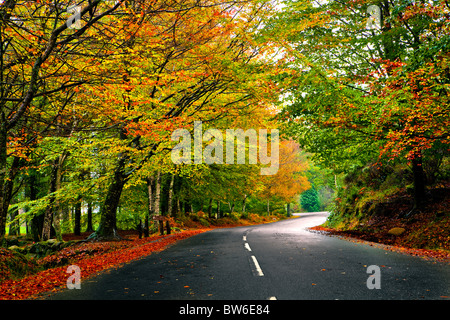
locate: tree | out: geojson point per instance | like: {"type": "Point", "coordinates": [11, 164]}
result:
{"type": "Point", "coordinates": [365, 92]}
{"type": "Point", "coordinates": [194, 69]}
{"type": "Point", "coordinates": [36, 47]}
{"type": "Point", "coordinates": [290, 180]}
{"type": "Point", "coordinates": [89, 112]}
{"type": "Point", "coordinates": [309, 200]}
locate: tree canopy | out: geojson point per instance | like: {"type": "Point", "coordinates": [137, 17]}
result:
{"type": "Point", "coordinates": [92, 92]}
{"type": "Point", "coordinates": [371, 85]}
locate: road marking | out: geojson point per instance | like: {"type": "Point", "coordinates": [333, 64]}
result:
{"type": "Point", "coordinates": [258, 268]}
{"type": "Point", "coordinates": [244, 238]}
{"type": "Point", "coordinates": [247, 246]}
{"type": "Point", "coordinates": [272, 298]}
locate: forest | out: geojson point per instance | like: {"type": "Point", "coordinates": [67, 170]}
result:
{"type": "Point", "coordinates": [89, 107]}
{"type": "Point", "coordinates": [91, 92]}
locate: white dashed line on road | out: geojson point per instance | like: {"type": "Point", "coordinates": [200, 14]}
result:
{"type": "Point", "coordinates": [258, 270]}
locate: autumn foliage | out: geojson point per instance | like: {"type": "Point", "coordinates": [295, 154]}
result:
{"type": "Point", "coordinates": [88, 111]}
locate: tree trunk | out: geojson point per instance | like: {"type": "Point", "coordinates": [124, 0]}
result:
{"type": "Point", "coordinates": [157, 208]}
{"type": "Point", "coordinates": [4, 202]}
{"type": "Point", "coordinates": [146, 226]}
{"type": "Point", "coordinates": [231, 206]}
{"type": "Point", "coordinates": [139, 228]}
{"type": "Point", "coordinates": [288, 210]}
{"type": "Point", "coordinates": [58, 210]}
{"type": "Point", "coordinates": [157, 202]}
{"type": "Point", "coordinates": [77, 226]}
{"type": "Point", "coordinates": [150, 204]}
{"type": "Point", "coordinates": [168, 228]}
{"type": "Point", "coordinates": [48, 215]}
{"type": "Point", "coordinates": [14, 228]}
{"type": "Point", "coordinates": [31, 193]}
{"type": "Point", "coordinates": [6, 183]}
{"type": "Point", "coordinates": [53, 213]}
{"type": "Point", "coordinates": [218, 208]}
{"type": "Point", "coordinates": [419, 182]}
{"type": "Point", "coordinates": [169, 201]}
{"type": "Point", "coordinates": [107, 229]}
{"type": "Point", "coordinates": [89, 228]}
{"type": "Point", "coordinates": [244, 203]}
{"type": "Point", "coordinates": [210, 208]}
{"type": "Point", "coordinates": [268, 207]}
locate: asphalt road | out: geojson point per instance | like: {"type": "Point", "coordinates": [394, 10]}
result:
{"type": "Point", "coordinates": [280, 260]}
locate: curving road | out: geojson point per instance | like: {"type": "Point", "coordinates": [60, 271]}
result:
{"type": "Point", "coordinates": [280, 260]}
